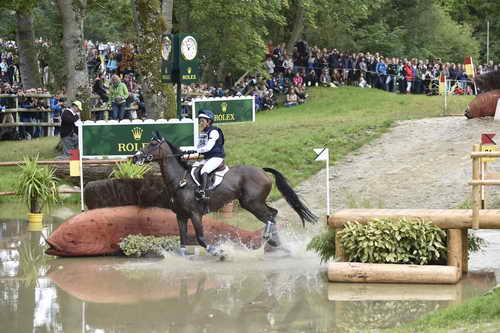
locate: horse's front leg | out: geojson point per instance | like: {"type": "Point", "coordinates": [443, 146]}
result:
{"type": "Point", "coordinates": [198, 229]}
{"type": "Point", "coordinates": [183, 227]}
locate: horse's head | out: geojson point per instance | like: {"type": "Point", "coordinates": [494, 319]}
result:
{"type": "Point", "coordinates": [151, 152]}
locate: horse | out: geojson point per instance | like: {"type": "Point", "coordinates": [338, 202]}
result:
{"type": "Point", "coordinates": [247, 184]}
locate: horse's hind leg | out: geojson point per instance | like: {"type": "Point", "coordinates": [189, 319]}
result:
{"type": "Point", "coordinates": [266, 215]}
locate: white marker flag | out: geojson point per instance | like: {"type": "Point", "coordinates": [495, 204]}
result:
{"type": "Point", "coordinates": [322, 154]}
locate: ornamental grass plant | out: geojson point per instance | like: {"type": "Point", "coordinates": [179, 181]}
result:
{"type": "Point", "coordinates": [37, 185]}
{"type": "Point", "coordinates": [129, 170]}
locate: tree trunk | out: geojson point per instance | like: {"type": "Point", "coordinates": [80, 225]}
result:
{"type": "Point", "coordinates": [75, 65]}
{"type": "Point", "coordinates": [167, 14]}
{"type": "Point", "coordinates": [150, 26]}
{"type": "Point", "coordinates": [28, 61]}
{"type": "Point", "coordinates": [298, 26]}
{"type": "Point", "coordinates": [171, 102]}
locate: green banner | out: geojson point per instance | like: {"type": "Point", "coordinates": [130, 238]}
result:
{"type": "Point", "coordinates": [227, 110]}
{"type": "Point", "coordinates": [127, 139]}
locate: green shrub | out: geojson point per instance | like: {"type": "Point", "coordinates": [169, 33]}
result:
{"type": "Point", "coordinates": [394, 242]}
{"type": "Point", "coordinates": [129, 170]}
{"type": "Point", "coordinates": [139, 245]}
{"type": "Point", "coordinates": [388, 241]}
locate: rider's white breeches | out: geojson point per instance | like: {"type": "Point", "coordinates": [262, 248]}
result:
{"type": "Point", "coordinates": [209, 165]}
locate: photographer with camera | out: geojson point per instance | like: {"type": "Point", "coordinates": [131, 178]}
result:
{"type": "Point", "coordinates": [118, 94]}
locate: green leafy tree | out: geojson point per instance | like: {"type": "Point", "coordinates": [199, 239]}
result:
{"type": "Point", "coordinates": [25, 39]}
{"type": "Point", "coordinates": [232, 34]}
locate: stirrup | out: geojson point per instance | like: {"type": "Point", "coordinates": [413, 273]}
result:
{"type": "Point", "coordinates": [201, 195]}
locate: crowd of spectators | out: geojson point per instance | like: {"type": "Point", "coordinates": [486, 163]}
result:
{"type": "Point", "coordinates": [313, 66]}
{"type": "Point", "coordinates": [284, 82]}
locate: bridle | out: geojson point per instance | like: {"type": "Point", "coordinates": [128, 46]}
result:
{"type": "Point", "coordinates": [148, 157]}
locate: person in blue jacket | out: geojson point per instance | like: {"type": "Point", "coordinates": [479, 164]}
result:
{"type": "Point", "coordinates": [211, 146]}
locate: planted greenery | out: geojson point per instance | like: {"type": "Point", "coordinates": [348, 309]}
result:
{"type": "Point", "coordinates": [389, 241]}
{"type": "Point", "coordinates": [140, 246]}
{"type": "Point", "coordinates": [394, 242]}
{"type": "Point", "coordinates": [130, 170]}
{"type": "Point", "coordinates": [37, 185]}
{"type": "Point", "coordinates": [324, 245]}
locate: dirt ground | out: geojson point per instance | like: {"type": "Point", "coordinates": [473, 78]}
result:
{"type": "Point", "coordinates": [421, 163]}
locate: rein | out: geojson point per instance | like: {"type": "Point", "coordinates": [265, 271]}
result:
{"type": "Point", "coordinates": [164, 156]}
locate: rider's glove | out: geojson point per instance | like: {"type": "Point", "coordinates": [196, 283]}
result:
{"type": "Point", "coordinates": [190, 152]}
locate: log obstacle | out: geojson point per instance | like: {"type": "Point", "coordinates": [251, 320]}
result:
{"type": "Point", "coordinates": [392, 273]}
{"type": "Point", "coordinates": [443, 218]}
{"type": "Point", "coordinates": [455, 221]}
{"type": "Point", "coordinates": [393, 292]}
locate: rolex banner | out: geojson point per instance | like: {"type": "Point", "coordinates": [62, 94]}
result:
{"type": "Point", "coordinates": [227, 109]}
{"type": "Point", "coordinates": [125, 139]}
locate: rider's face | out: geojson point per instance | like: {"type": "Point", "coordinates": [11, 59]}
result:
{"type": "Point", "coordinates": [203, 123]}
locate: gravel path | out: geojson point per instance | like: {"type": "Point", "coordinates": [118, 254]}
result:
{"type": "Point", "coordinates": [418, 164]}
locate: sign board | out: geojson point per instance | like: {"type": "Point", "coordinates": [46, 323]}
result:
{"type": "Point", "coordinates": [179, 59]}
{"type": "Point", "coordinates": [227, 109]}
{"type": "Point", "coordinates": [126, 138]}
{"type": "Point", "coordinates": [490, 149]}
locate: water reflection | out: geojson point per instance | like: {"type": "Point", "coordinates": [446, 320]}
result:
{"type": "Point", "coordinates": [249, 293]}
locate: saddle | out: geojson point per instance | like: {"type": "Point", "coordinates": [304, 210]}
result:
{"type": "Point", "coordinates": [214, 178]}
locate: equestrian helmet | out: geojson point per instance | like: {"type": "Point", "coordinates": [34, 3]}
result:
{"type": "Point", "coordinates": [206, 114]}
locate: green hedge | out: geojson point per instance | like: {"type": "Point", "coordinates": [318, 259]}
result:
{"type": "Point", "coordinates": [389, 242]}
{"type": "Point", "coordinates": [394, 242]}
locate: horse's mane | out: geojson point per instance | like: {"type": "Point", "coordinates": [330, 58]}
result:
{"type": "Point", "coordinates": [178, 155]}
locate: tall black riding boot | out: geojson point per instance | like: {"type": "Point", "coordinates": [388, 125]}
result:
{"type": "Point", "coordinates": [203, 189]}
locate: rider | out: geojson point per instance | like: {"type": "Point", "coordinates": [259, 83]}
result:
{"type": "Point", "coordinates": [211, 145]}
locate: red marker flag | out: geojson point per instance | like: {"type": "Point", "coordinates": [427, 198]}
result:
{"type": "Point", "coordinates": [487, 139]}
{"type": "Point", "coordinates": [469, 67]}
{"type": "Point", "coordinates": [74, 163]}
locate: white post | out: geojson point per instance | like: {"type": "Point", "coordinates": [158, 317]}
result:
{"type": "Point", "coordinates": [328, 185]}
{"type": "Point", "coordinates": [445, 97]}
{"type": "Point", "coordinates": [487, 43]}
{"type": "Point", "coordinates": [80, 149]}
{"type": "Point", "coordinates": [323, 154]}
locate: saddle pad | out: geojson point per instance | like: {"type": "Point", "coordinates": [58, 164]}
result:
{"type": "Point", "coordinates": [218, 176]}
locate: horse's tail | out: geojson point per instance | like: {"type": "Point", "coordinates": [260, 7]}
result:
{"type": "Point", "coordinates": [292, 198]}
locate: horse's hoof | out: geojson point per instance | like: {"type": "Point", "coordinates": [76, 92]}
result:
{"type": "Point", "coordinates": [279, 250]}
{"type": "Point", "coordinates": [272, 242]}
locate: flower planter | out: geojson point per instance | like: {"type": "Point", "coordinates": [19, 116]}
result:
{"type": "Point", "coordinates": [35, 222]}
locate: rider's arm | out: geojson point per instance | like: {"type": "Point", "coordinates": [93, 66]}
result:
{"type": "Point", "coordinates": [212, 138]}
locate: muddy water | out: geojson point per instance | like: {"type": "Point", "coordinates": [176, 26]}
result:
{"type": "Point", "coordinates": [250, 292]}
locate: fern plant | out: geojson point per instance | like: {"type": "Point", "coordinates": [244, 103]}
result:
{"type": "Point", "coordinates": [130, 170]}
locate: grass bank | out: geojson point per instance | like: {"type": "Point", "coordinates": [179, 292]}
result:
{"type": "Point", "coordinates": [480, 314]}
{"type": "Point", "coordinates": [341, 119]}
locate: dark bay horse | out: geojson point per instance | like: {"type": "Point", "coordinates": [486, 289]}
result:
{"type": "Point", "coordinates": [248, 184]}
